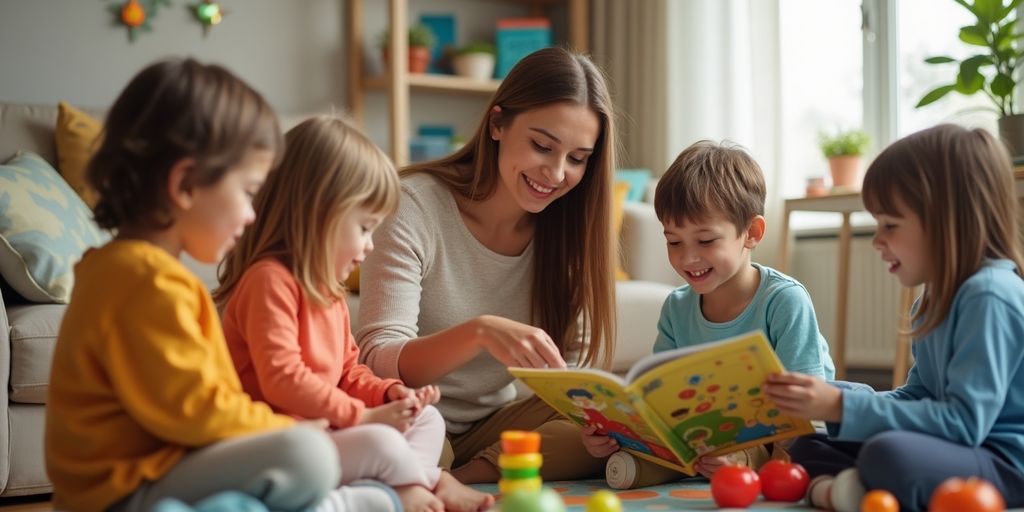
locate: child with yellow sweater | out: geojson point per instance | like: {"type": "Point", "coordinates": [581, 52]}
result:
{"type": "Point", "coordinates": [144, 403]}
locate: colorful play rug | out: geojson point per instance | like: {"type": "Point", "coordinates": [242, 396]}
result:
{"type": "Point", "coordinates": [693, 494]}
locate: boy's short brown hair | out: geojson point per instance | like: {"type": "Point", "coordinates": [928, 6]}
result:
{"type": "Point", "coordinates": [707, 178]}
{"type": "Point", "coordinates": [175, 109]}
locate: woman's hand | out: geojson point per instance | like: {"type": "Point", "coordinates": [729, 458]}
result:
{"type": "Point", "coordinates": [805, 396]}
{"type": "Point", "coordinates": [517, 344]}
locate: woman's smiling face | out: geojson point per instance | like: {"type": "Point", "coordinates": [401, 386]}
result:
{"type": "Point", "coordinates": [543, 152]}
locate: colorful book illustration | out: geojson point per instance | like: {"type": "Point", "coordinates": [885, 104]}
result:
{"type": "Point", "coordinates": [675, 406]}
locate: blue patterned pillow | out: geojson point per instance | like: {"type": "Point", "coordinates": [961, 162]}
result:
{"type": "Point", "coordinates": [44, 229]}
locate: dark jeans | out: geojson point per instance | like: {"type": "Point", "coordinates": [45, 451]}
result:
{"type": "Point", "coordinates": [909, 465]}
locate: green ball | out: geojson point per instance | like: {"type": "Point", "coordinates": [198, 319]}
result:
{"type": "Point", "coordinates": [604, 501]}
{"type": "Point", "coordinates": [546, 500]}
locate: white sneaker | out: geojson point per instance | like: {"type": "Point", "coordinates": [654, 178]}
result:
{"type": "Point", "coordinates": [847, 491]}
{"type": "Point", "coordinates": [362, 495]}
{"type": "Point", "coordinates": [842, 493]}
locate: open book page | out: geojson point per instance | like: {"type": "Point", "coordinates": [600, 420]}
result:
{"type": "Point", "coordinates": [594, 397]}
{"type": "Point", "coordinates": [660, 358]}
{"type": "Point", "coordinates": [711, 399]}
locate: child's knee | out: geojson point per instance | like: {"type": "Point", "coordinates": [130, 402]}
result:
{"type": "Point", "coordinates": [309, 454]}
{"type": "Point", "coordinates": [384, 440]}
{"type": "Point", "coordinates": [430, 416]}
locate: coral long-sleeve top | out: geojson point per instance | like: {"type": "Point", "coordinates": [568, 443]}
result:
{"type": "Point", "coordinates": [294, 354]}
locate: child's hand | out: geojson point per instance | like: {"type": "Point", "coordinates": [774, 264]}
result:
{"type": "Point", "coordinates": [400, 392]}
{"type": "Point", "coordinates": [428, 395]}
{"type": "Point", "coordinates": [598, 445]}
{"type": "Point", "coordinates": [708, 465]}
{"type": "Point", "coordinates": [397, 413]}
{"type": "Point", "coordinates": [805, 396]}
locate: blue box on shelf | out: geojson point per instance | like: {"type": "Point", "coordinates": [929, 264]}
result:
{"type": "Point", "coordinates": [429, 147]}
{"type": "Point", "coordinates": [443, 27]}
{"type": "Point", "coordinates": [518, 37]}
{"type": "Point", "coordinates": [637, 179]}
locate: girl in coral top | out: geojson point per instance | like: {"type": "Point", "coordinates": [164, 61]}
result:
{"type": "Point", "coordinates": [287, 323]}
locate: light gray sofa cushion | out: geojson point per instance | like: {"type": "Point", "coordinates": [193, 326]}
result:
{"type": "Point", "coordinates": [33, 336]}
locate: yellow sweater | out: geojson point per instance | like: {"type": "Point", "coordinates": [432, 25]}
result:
{"type": "Point", "coordinates": [141, 375]}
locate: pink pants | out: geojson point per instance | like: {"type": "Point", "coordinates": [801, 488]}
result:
{"type": "Point", "coordinates": [381, 452]}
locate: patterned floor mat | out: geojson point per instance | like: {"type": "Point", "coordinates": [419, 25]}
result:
{"type": "Point", "coordinates": [680, 496]}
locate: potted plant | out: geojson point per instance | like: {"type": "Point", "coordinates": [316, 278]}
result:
{"type": "Point", "coordinates": [843, 150]}
{"type": "Point", "coordinates": [421, 40]}
{"type": "Point", "coordinates": [475, 60]}
{"type": "Point", "coordinates": [993, 70]}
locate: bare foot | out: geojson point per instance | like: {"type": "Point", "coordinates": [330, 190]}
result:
{"type": "Point", "coordinates": [459, 498]}
{"type": "Point", "coordinates": [416, 498]}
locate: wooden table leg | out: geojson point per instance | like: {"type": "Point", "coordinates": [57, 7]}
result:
{"type": "Point", "coordinates": [783, 262]}
{"type": "Point", "coordinates": [902, 364]}
{"type": "Point", "coordinates": [842, 296]}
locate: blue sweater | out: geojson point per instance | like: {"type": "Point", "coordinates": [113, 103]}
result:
{"type": "Point", "coordinates": [781, 308]}
{"type": "Point", "coordinates": [967, 383]}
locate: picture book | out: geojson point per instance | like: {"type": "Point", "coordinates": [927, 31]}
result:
{"type": "Point", "coordinates": [673, 407]}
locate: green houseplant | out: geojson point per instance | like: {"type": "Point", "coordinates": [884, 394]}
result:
{"type": "Point", "coordinates": [994, 69]}
{"type": "Point", "coordinates": [474, 60]}
{"type": "Point", "coordinates": [843, 150]}
{"type": "Point", "coordinates": [421, 40]}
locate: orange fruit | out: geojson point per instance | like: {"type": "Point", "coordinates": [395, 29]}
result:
{"type": "Point", "coordinates": [879, 501]}
{"type": "Point", "coordinates": [971, 495]}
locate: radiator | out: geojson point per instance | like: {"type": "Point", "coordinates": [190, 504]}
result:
{"type": "Point", "coordinates": [873, 303]}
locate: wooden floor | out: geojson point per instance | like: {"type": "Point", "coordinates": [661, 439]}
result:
{"type": "Point", "coordinates": [26, 503]}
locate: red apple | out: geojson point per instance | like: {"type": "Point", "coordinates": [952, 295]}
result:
{"type": "Point", "coordinates": [735, 486]}
{"type": "Point", "coordinates": [782, 481]}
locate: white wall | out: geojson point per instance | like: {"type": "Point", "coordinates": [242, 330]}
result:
{"type": "Point", "coordinates": [292, 51]}
{"type": "Point", "coordinates": [71, 50]}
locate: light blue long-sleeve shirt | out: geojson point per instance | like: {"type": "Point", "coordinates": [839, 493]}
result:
{"type": "Point", "coordinates": [967, 382]}
{"type": "Point", "coordinates": [781, 308]}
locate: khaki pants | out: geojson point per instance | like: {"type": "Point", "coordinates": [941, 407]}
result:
{"type": "Point", "coordinates": [565, 458]}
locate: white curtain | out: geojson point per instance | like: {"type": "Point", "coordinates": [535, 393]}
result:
{"type": "Point", "coordinates": [685, 70]}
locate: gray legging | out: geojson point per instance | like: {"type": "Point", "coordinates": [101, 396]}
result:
{"type": "Point", "coordinates": [290, 469]}
{"type": "Point", "coordinates": [908, 464]}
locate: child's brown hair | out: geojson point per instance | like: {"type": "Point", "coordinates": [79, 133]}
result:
{"type": "Point", "coordinates": [960, 184]}
{"type": "Point", "coordinates": [328, 170]}
{"type": "Point", "coordinates": [707, 178]}
{"type": "Point", "coordinates": [174, 109]}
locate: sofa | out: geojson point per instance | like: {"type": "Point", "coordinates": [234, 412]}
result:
{"type": "Point", "coordinates": [28, 330]}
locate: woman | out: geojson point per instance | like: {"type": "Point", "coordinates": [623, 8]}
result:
{"type": "Point", "coordinates": [501, 255]}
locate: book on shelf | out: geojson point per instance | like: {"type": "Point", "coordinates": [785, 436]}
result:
{"type": "Point", "coordinates": [673, 407]}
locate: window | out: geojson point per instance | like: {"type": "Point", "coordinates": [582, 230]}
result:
{"type": "Point", "coordinates": [822, 65]}
{"type": "Point", "coordinates": [928, 28]}
{"type": "Point", "coordinates": [844, 67]}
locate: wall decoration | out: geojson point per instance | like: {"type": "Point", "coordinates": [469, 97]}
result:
{"type": "Point", "coordinates": [208, 13]}
{"type": "Point", "coordinates": [136, 15]}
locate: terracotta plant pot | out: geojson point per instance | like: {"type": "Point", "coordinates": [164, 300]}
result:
{"type": "Point", "coordinates": [845, 171]}
{"type": "Point", "coordinates": [1011, 131]}
{"type": "Point", "coordinates": [419, 58]}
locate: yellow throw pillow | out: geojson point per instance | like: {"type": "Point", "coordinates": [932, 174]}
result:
{"type": "Point", "coordinates": [619, 192]}
{"type": "Point", "coordinates": [77, 135]}
{"type": "Point", "coordinates": [352, 283]}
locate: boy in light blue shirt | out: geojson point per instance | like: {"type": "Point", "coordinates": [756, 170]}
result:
{"type": "Point", "coordinates": [711, 204]}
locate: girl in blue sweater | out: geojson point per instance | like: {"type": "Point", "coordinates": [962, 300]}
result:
{"type": "Point", "coordinates": [947, 219]}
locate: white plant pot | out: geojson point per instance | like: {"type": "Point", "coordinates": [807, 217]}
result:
{"type": "Point", "coordinates": [478, 66]}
